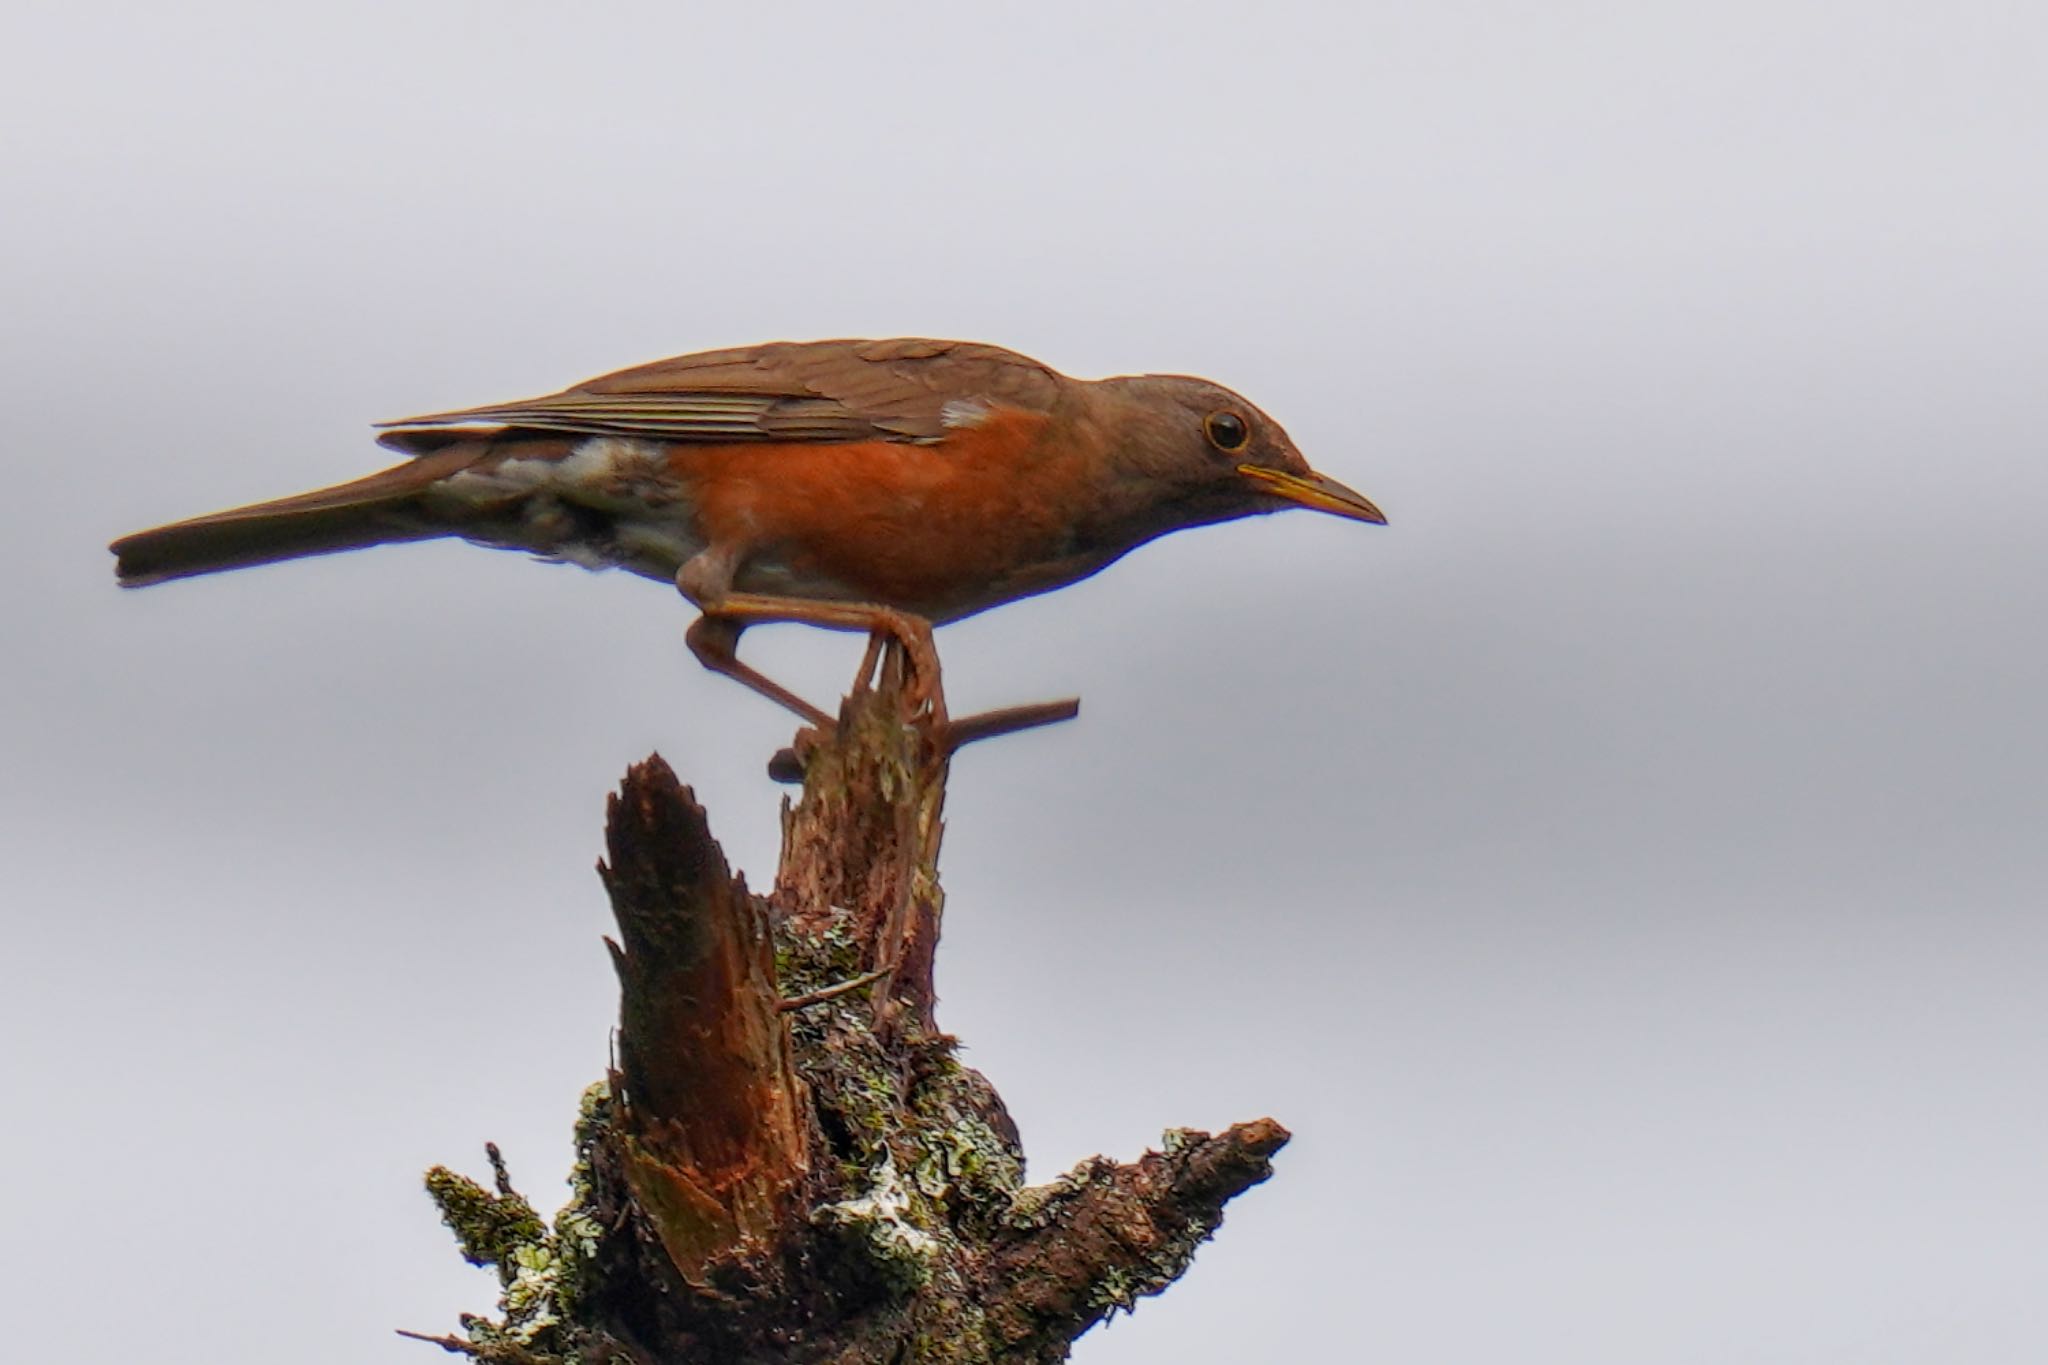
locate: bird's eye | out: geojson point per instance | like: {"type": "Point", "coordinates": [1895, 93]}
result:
{"type": "Point", "coordinates": [1227, 431]}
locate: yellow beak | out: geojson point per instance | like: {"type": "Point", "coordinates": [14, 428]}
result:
{"type": "Point", "coordinates": [1317, 491]}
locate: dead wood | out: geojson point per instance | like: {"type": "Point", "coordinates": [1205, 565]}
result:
{"type": "Point", "coordinates": [789, 1163]}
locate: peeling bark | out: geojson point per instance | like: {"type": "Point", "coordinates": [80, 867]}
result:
{"type": "Point", "coordinates": [710, 1114]}
{"type": "Point", "coordinates": [789, 1163]}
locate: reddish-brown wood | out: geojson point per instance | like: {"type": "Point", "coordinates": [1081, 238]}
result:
{"type": "Point", "coordinates": [710, 1113]}
{"type": "Point", "coordinates": [790, 1163]}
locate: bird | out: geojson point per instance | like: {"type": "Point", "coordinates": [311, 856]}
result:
{"type": "Point", "coordinates": [884, 486]}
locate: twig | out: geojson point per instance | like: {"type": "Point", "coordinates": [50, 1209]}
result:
{"type": "Point", "coordinates": [495, 1353]}
{"type": "Point", "coordinates": [1010, 719]}
{"type": "Point", "coordinates": [833, 992]}
{"type": "Point", "coordinates": [454, 1345]}
{"type": "Point", "coordinates": [500, 1176]}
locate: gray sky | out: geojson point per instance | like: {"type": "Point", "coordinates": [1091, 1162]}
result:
{"type": "Point", "coordinates": [1624, 873]}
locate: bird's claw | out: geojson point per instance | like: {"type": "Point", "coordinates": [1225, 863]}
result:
{"type": "Point", "coordinates": [902, 658]}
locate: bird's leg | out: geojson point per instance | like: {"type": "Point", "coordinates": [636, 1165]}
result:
{"type": "Point", "coordinates": [911, 634]}
{"type": "Point", "coordinates": [900, 654]}
{"type": "Point", "coordinates": [714, 639]}
{"type": "Point", "coordinates": [706, 580]}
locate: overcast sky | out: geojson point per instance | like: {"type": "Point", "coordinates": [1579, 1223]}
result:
{"type": "Point", "coordinates": [1624, 873]}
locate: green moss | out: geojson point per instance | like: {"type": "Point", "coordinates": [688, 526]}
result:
{"type": "Point", "coordinates": [489, 1227]}
{"type": "Point", "coordinates": [542, 1268]}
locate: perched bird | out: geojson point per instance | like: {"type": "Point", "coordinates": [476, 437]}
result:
{"type": "Point", "coordinates": [861, 485]}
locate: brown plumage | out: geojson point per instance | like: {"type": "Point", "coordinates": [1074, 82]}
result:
{"type": "Point", "coordinates": [845, 483]}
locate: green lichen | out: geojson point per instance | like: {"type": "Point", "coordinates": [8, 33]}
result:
{"type": "Point", "coordinates": [807, 962]}
{"type": "Point", "coordinates": [1035, 1206]}
{"type": "Point", "coordinates": [857, 1086]}
{"type": "Point", "coordinates": [542, 1268]}
{"type": "Point", "coordinates": [883, 1225]}
{"type": "Point", "coordinates": [1114, 1289]}
{"type": "Point", "coordinates": [967, 1167]}
{"type": "Point", "coordinates": [960, 1337]}
{"type": "Point", "coordinates": [530, 1301]}
{"type": "Point", "coordinates": [489, 1227]}
{"type": "Point", "coordinates": [1165, 1263]}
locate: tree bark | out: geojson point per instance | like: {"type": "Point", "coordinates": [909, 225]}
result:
{"type": "Point", "coordinates": [789, 1163]}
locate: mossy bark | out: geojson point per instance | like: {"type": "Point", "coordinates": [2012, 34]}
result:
{"type": "Point", "coordinates": [789, 1163]}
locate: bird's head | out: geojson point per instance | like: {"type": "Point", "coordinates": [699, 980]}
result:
{"type": "Point", "coordinates": [1207, 454]}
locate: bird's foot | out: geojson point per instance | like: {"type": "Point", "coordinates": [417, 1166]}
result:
{"type": "Point", "coordinates": [902, 659]}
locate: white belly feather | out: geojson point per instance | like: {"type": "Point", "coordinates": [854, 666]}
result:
{"type": "Point", "coordinates": [609, 503]}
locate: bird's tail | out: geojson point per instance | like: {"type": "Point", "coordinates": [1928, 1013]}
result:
{"type": "Point", "coordinates": [377, 510]}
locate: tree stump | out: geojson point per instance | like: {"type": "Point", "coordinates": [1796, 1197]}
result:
{"type": "Point", "coordinates": [788, 1162]}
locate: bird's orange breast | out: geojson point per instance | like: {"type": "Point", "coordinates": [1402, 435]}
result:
{"type": "Point", "coordinates": [930, 528]}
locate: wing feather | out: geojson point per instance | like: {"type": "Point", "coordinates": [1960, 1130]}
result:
{"type": "Point", "coordinates": [822, 391]}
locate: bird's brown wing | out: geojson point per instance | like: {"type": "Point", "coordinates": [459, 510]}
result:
{"type": "Point", "coordinates": [905, 389]}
